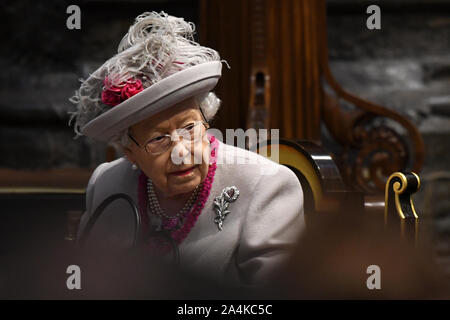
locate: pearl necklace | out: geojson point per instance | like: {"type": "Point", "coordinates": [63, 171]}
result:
{"type": "Point", "coordinates": [156, 208]}
{"type": "Point", "coordinates": [177, 232]}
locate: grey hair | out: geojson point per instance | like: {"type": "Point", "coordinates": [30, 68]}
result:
{"type": "Point", "coordinates": [156, 46]}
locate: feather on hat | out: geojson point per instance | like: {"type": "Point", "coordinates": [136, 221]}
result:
{"type": "Point", "coordinates": [158, 64]}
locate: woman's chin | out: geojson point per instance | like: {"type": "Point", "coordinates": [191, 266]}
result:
{"type": "Point", "coordinates": [184, 184]}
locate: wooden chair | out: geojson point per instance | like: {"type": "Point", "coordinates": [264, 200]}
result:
{"type": "Point", "coordinates": [280, 78]}
{"type": "Point", "coordinates": [325, 192]}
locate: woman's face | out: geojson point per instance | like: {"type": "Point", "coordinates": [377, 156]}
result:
{"type": "Point", "coordinates": [175, 171]}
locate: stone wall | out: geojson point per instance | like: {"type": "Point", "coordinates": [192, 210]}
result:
{"type": "Point", "coordinates": [42, 61]}
{"type": "Point", "coordinates": [404, 66]}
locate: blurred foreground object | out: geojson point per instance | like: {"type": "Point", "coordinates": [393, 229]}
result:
{"type": "Point", "coordinates": [332, 259]}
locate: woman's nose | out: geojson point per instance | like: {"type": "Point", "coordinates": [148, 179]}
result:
{"type": "Point", "coordinates": [180, 153]}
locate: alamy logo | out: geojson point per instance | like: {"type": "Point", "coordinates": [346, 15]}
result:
{"type": "Point", "coordinates": [74, 280]}
{"type": "Point", "coordinates": [251, 138]}
{"type": "Point", "coordinates": [374, 20]}
{"type": "Point", "coordinates": [74, 20]}
{"type": "Point", "coordinates": [374, 281]}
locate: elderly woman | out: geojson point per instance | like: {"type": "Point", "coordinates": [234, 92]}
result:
{"type": "Point", "coordinates": [221, 211]}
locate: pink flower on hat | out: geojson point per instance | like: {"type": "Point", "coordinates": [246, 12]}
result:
{"type": "Point", "coordinates": [113, 95]}
{"type": "Point", "coordinates": [110, 98]}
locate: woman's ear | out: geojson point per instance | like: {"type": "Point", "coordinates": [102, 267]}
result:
{"type": "Point", "coordinates": [129, 155]}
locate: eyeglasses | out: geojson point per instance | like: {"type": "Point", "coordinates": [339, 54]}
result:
{"type": "Point", "coordinates": [192, 133]}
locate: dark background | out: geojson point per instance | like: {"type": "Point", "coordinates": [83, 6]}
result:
{"type": "Point", "coordinates": [404, 66]}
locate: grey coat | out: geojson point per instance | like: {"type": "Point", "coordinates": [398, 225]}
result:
{"type": "Point", "coordinates": [263, 224]}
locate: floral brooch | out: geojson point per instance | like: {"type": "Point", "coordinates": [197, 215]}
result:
{"type": "Point", "coordinates": [221, 203]}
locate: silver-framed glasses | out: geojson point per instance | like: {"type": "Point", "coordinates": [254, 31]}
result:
{"type": "Point", "coordinates": [191, 133]}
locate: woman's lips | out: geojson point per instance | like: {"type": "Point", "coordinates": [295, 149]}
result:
{"type": "Point", "coordinates": [183, 172]}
